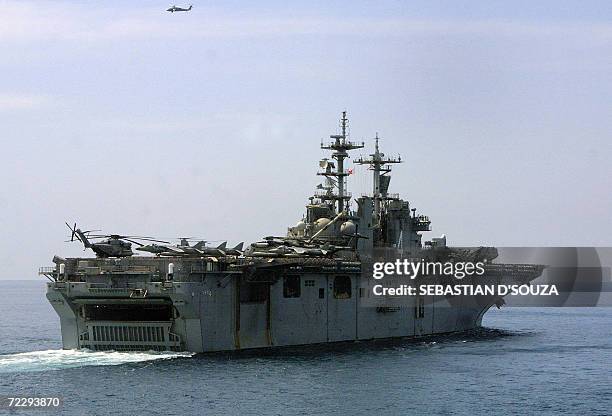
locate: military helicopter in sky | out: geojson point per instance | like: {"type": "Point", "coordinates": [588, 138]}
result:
{"type": "Point", "coordinates": [111, 245]}
{"type": "Point", "coordinates": [174, 8]}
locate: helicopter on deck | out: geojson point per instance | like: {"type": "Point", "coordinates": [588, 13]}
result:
{"type": "Point", "coordinates": [110, 245]}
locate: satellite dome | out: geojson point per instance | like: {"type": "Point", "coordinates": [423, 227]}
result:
{"type": "Point", "coordinates": [348, 228]}
{"type": "Point", "coordinates": [320, 223]}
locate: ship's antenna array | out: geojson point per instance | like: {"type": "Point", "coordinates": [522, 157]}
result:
{"type": "Point", "coordinates": [340, 147]}
{"type": "Point", "coordinates": [380, 165]}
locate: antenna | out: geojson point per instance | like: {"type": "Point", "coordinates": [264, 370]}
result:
{"type": "Point", "coordinates": [381, 167]}
{"type": "Point", "coordinates": [340, 147]}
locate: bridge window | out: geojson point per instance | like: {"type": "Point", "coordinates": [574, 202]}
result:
{"type": "Point", "coordinates": [291, 286]}
{"type": "Point", "coordinates": [342, 287]}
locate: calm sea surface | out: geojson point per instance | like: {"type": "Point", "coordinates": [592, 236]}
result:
{"type": "Point", "coordinates": [526, 361]}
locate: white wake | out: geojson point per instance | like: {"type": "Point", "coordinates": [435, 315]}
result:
{"type": "Point", "coordinates": [60, 359]}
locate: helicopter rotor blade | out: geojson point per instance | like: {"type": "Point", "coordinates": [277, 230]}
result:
{"type": "Point", "coordinates": [134, 237]}
{"type": "Point", "coordinates": [72, 229]}
{"type": "Point", "coordinates": [196, 239]}
{"type": "Point", "coordinates": [151, 239]}
{"type": "Point", "coordinates": [125, 237]}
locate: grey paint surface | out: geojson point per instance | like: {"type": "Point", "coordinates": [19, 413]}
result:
{"type": "Point", "coordinates": [233, 300]}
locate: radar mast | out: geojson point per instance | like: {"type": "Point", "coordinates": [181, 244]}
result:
{"type": "Point", "coordinates": [340, 147]}
{"type": "Point", "coordinates": [380, 167]}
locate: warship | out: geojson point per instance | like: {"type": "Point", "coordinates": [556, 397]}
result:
{"type": "Point", "coordinates": [313, 285]}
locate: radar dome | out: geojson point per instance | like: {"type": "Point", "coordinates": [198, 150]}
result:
{"type": "Point", "coordinates": [320, 223]}
{"type": "Point", "coordinates": [348, 228]}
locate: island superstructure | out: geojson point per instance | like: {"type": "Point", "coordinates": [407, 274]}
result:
{"type": "Point", "coordinates": [312, 285]}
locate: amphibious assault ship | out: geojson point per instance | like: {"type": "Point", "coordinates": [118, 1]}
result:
{"type": "Point", "coordinates": [312, 285]}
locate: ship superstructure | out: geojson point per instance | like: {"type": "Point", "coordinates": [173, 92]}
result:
{"type": "Point", "coordinates": [312, 285]}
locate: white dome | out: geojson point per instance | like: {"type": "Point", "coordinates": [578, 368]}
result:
{"type": "Point", "coordinates": [320, 223]}
{"type": "Point", "coordinates": [348, 228]}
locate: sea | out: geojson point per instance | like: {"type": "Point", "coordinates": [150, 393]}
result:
{"type": "Point", "coordinates": [544, 361]}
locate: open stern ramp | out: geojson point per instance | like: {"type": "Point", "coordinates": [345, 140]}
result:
{"type": "Point", "coordinates": [129, 336]}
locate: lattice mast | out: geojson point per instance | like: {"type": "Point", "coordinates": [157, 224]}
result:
{"type": "Point", "coordinates": [380, 165]}
{"type": "Point", "coordinates": [340, 147]}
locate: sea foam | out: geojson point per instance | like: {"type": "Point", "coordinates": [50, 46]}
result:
{"type": "Point", "coordinates": [61, 359]}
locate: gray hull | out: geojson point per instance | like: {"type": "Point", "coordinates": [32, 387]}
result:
{"type": "Point", "coordinates": [224, 311]}
{"type": "Point", "coordinates": [314, 285]}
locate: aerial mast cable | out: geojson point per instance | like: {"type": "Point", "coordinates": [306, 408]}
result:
{"type": "Point", "coordinates": [380, 165]}
{"type": "Point", "coordinates": [340, 147]}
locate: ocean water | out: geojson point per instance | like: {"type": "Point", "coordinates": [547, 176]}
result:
{"type": "Point", "coordinates": [525, 361]}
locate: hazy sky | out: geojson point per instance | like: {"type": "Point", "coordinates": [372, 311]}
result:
{"type": "Point", "coordinates": [121, 116]}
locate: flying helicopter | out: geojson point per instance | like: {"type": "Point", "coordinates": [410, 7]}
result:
{"type": "Point", "coordinates": [174, 8]}
{"type": "Point", "coordinates": [111, 245]}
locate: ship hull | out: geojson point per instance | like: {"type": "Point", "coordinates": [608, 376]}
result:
{"type": "Point", "coordinates": [219, 313]}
